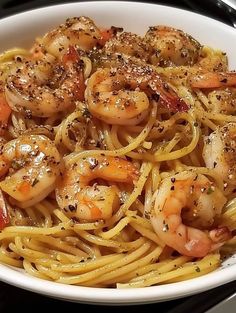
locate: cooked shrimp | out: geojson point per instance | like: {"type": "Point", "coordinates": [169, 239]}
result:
{"type": "Point", "coordinates": [93, 202]}
{"type": "Point", "coordinates": [219, 152]}
{"type": "Point", "coordinates": [78, 31]}
{"type": "Point", "coordinates": [42, 88]}
{"type": "Point", "coordinates": [4, 214]}
{"type": "Point", "coordinates": [33, 164]}
{"type": "Point", "coordinates": [213, 80]}
{"type": "Point", "coordinates": [4, 166]}
{"type": "Point", "coordinates": [101, 59]}
{"type": "Point", "coordinates": [120, 95]}
{"type": "Point", "coordinates": [129, 44]}
{"type": "Point", "coordinates": [172, 46]}
{"type": "Point", "coordinates": [189, 198]}
{"type": "Point", "coordinates": [108, 34]}
{"type": "Point", "coordinates": [5, 112]}
{"type": "Point", "coordinates": [223, 100]}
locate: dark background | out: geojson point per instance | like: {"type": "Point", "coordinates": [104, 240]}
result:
{"type": "Point", "coordinates": [13, 299]}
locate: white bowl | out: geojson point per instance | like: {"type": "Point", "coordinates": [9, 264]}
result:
{"type": "Point", "coordinates": [21, 29]}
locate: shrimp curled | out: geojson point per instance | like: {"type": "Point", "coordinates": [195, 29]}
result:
{"type": "Point", "coordinates": [219, 152]}
{"type": "Point", "coordinates": [191, 198]}
{"type": "Point", "coordinates": [73, 192]}
{"type": "Point", "coordinates": [32, 164]}
{"type": "Point", "coordinates": [43, 87]}
{"type": "Point", "coordinates": [77, 31]}
{"type": "Point", "coordinates": [172, 46]}
{"type": "Point", "coordinates": [121, 95]}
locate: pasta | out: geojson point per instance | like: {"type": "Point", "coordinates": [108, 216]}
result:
{"type": "Point", "coordinates": [117, 165]}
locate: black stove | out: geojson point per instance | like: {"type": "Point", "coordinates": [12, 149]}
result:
{"type": "Point", "coordinates": [221, 299]}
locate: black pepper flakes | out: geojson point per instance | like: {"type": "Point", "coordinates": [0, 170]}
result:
{"type": "Point", "coordinates": [72, 208]}
{"type": "Point", "coordinates": [210, 190]}
{"type": "Point", "coordinates": [224, 80]}
{"type": "Point", "coordinates": [93, 163]}
{"type": "Point", "coordinates": [35, 181]}
{"type": "Point", "coordinates": [197, 269]}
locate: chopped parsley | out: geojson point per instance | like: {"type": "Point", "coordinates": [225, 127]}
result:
{"type": "Point", "coordinates": [210, 190]}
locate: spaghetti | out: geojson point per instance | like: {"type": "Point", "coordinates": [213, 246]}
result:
{"type": "Point", "coordinates": [117, 157]}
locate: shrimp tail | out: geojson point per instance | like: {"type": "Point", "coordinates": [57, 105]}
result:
{"type": "Point", "coordinates": [108, 34]}
{"type": "Point", "coordinates": [168, 96]}
{"type": "Point", "coordinates": [220, 235]}
{"type": "Point", "coordinates": [173, 102]}
{"type": "Point", "coordinates": [213, 80]}
{"type": "Point", "coordinates": [5, 112]}
{"type": "Point", "coordinates": [72, 59]}
{"type": "Point", "coordinates": [4, 214]}
{"type": "Point", "coordinates": [71, 55]}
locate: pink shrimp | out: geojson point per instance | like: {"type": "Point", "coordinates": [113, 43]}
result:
{"type": "Point", "coordinates": [98, 201]}
{"type": "Point", "coordinates": [121, 95]}
{"type": "Point", "coordinates": [213, 80]}
{"type": "Point", "coordinates": [192, 199]}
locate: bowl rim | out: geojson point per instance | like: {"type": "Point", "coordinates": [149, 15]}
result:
{"type": "Point", "coordinates": [115, 2]}
{"type": "Point", "coordinates": [104, 295]}
{"type": "Point", "coordinates": [163, 292]}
